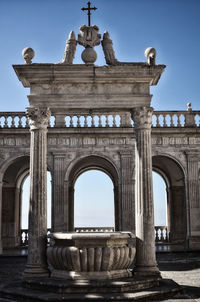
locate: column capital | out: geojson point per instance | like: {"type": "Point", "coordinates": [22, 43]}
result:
{"type": "Point", "coordinates": [38, 117]}
{"type": "Point", "coordinates": [142, 117]}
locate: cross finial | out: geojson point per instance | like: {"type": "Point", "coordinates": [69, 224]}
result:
{"type": "Point", "coordinates": [89, 8]}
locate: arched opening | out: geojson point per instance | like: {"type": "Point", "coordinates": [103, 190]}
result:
{"type": "Point", "coordinates": [24, 209]}
{"type": "Point", "coordinates": [92, 163]}
{"type": "Point", "coordinates": [160, 207]}
{"type": "Point", "coordinates": [173, 175]}
{"type": "Point", "coordinates": [93, 201]}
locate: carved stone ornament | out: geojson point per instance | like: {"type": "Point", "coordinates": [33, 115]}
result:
{"type": "Point", "coordinates": [108, 49]}
{"type": "Point", "coordinates": [38, 117]}
{"type": "Point", "coordinates": [70, 49]}
{"type": "Point", "coordinates": [150, 54]}
{"type": "Point", "coordinates": [142, 117]}
{"type": "Point", "coordinates": [89, 36]}
{"type": "Point", "coordinates": [28, 54]}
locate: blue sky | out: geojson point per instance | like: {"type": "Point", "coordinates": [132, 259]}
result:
{"type": "Point", "coordinates": [170, 26]}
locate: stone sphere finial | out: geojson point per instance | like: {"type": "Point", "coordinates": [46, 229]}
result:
{"type": "Point", "coordinates": [150, 54]}
{"type": "Point", "coordinates": [89, 55]}
{"type": "Point", "coordinates": [28, 54]}
{"type": "Point", "coordinates": [189, 106]}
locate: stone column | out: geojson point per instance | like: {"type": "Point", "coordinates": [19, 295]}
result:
{"type": "Point", "coordinates": [145, 247]}
{"type": "Point", "coordinates": [37, 262]}
{"type": "Point", "coordinates": [58, 193]}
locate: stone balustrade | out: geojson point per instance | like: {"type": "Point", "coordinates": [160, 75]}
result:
{"type": "Point", "coordinates": [13, 120]}
{"type": "Point", "coordinates": [173, 119]}
{"type": "Point", "coordinates": [94, 229]}
{"type": "Point", "coordinates": [161, 234]}
{"type": "Point", "coordinates": [176, 119]}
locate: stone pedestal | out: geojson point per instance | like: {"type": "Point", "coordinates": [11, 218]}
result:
{"type": "Point", "coordinates": [145, 248]}
{"type": "Point", "coordinates": [37, 263]}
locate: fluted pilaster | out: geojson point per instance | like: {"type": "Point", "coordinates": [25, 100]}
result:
{"type": "Point", "coordinates": [127, 192]}
{"type": "Point", "coordinates": [58, 192]}
{"type": "Point", "coordinates": [145, 249]}
{"type": "Point", "coordinates": [37, 264]}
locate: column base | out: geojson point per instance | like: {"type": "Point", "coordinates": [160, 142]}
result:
{"type": "Point", "coordinates": [146, 271]}
{"type": "Point", "coordinates": [194, 243]}
{"type": "Point", "coordinates": [35, 271]}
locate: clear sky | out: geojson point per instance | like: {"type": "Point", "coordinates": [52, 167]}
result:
{"type": "Point", "coordinates": [170, 26]}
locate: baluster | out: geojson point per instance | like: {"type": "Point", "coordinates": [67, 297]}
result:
{"type": "Point", "coordinates": [92, 122]}
{"type": "Point", "coordinates": [27, 122]}
{"type": "Point", "coordinates": [20, 122]}
{"type": "Point", "coordinates": [106, 122]}
{"type": "Point", "coordinates": [114, 120]}
{"type": "Point", "coordinates": [6, 122]}
{"type": "Point", "coordinates": [164, 120]}
{"type": "Point", "coordinates": [157, 121]}
{"type": "Point", "coordinates": [1, 126]}
{"type": "Point", "coordinates": [161, 234]}
{"type": "Point", "coordinates": [171, 120]}
{"type": "Point", "coordinates": [85, 121]}
{"type": "Point", "coordinates": [78, 121]}
{"type": "Point", "coordinates": [156, 234]}
{"type": "Point", "coordinates": [26, 241]}
{"type": "Point", "coordinates": [12, 121]}
{"type": "Point", "coordinates": [178, 121]}
{"type": "Point", "coordinates": [71, 125]}
{"type": "Point", "coordinates": [100, 121]}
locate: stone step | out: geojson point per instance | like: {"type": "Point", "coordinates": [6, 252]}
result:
{"type": "Point", "coordinates": [92, 286]}
{"type": "Point", "coordinates": [167, 289]}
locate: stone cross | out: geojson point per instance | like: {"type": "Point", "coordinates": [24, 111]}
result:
{"type": "Point", "coordinates": [89, 8]}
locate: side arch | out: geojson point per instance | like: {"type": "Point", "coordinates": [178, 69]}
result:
{"type": "Point", "coordinates": [80, 166]}
{"type": "Point", "coordinates": [174, 175]}
{"type": "Point", "coordinates": [13, 172]}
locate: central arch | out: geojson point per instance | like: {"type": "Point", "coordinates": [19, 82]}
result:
{"type": "Point", "coordinates": [87, 163]}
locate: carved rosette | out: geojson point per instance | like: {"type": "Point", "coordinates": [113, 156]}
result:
{"type": "Point", "coordinates": [142, 117]}
{"type": "Point", "coordinates": [94, 259]}
{"type": "Point", "coordinates": [38, 117]}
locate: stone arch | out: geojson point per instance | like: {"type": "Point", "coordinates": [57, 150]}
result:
{"type": "Point", "coordinates": [88, 163]}
{"type": "Point", "coordinates": [13, 173]}
{"type": "Point", "coordinates": [173, 174]}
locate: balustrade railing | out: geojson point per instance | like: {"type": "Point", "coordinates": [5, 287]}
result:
{"type": "Point", "coordinates": [94, 229]}
{"type": "Point", "coordinates": [13, 120]}
{"type": "Point", "coordinates": [161, 234]}
{"type": "Point", "coordinates": [164, 119]}
{"type": "Point", "coordinates": [24, 237]}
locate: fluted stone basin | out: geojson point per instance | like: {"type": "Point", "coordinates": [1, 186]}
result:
{"type": "Point", "coordinates": [91, 255]}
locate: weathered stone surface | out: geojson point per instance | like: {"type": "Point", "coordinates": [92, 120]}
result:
{"type": "Point", "coordinates": [91, 255]}
{"type": "Point", "coordinates": [37, 263]}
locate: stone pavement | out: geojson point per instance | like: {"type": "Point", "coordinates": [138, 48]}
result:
{"type": "Point", "coordinates": [183, 268]}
